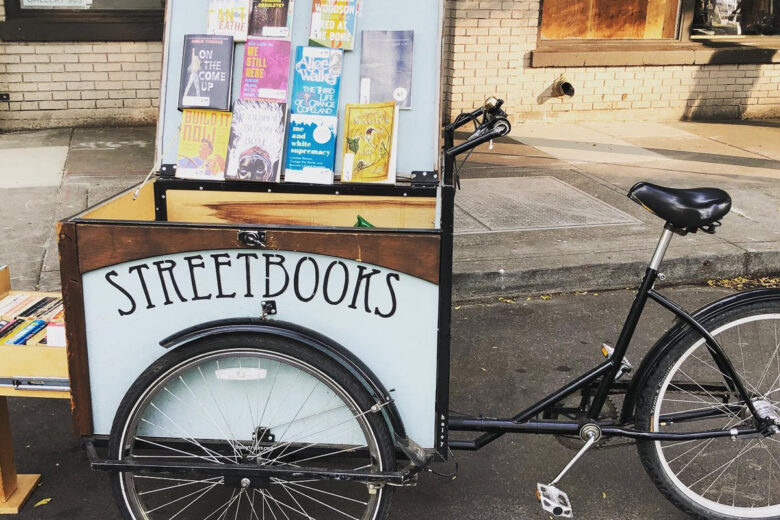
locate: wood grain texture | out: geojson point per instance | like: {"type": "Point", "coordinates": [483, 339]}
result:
{"type": "Point", "coordinates": [620, 19]}
{"type": "Point", "coordinates": [123, 207]}
{"type": "Point", "coordinates": [563, 19]}
{"type": "Point", "coordinates": [105, 245]}
{"type": "Point", "coordinates": [75, 328]}
{"type": "Point", "coordinates": [5, 281]}
{"type": "Point", "coordinates": [291, 209]}
{"type": "Point", "coordinates": [7, 463]}
{"type": "Point", "coordinates": [37, 361]}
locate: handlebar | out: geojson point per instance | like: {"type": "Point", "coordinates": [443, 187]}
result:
{"type": "Point", "coordinates": [491, 122]}
{"type": "Point", "coordinates": [495, 124]}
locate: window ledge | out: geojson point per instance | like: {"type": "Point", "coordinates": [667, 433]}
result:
{"type": "Point", "coordinates": [67, 29]}
{"type": "Point", "coordinates": [603, 54]}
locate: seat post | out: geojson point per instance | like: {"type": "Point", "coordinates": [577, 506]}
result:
{"type": "Point", "coordinates": [661, 248]}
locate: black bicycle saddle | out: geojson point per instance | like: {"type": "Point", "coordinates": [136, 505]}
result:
{"type": "Point", "coordinates": [684, 209]}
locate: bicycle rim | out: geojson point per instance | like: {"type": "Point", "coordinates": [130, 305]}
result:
{"type": "Point", "coordinates": [733, 478]}
{"type": "Point", "coordinates": [249, 406]}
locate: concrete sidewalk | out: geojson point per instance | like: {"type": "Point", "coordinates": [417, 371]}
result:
{"type": "Point", "coordinates": [544, 211]}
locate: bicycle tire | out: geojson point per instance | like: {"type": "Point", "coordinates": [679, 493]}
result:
{"type": "Point", "coordinates": [703, 492]}
{"type": "Point", "coordinates": [135, 413]}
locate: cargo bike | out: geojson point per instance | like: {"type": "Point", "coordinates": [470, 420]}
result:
{"type": "Point", "coordinates": [241, 350]}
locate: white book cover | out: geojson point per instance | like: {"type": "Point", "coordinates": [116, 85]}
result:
{"type": "Point", "coordinates": [230, 18]}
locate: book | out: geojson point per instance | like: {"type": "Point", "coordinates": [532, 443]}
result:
{"type": "Point", "coordinates": [30, 311]}
{"type": "Point", "coordinates": [39, 338]}
{"type": "Point", "coordinates": [229, 18]}
{"type": "Point", "coordinates": [8, 327]}
{"type": "Point", "coordinates": [333, 23]}
{"type": "Point", "coordinates": [206, 72]}
{"type": "Point", "coordinates": [203, 144]}
{"type": "Point", "coordinates": [369, 132]}
{"type": "Point", "coordinates": [271, 19]}
{"type": "Point", "coordinates": [8, 302]}
{"type": "Point", "coordinates": [256, 141]}
{"type": "Point", "coordinates": [55, 334]}
{"type": "Point", "coordinates": [56, 302]}
{"type": "Point", "coordinates": [20, 336]}
{"type": "Point", "coordinates": [266, 70]}
{"type": "Point", "coordinates": [18, 326]}
{"type": "Point", "coordinates": [386, 67]}
{"type": "Point", "coordinates": [311, 149]}
{"type": "Point", "coordinates": [13, 311]}
{"type": "Point", "coordinates": [316, 81]}
{"type": "Point", "coordinates": [57, 312]}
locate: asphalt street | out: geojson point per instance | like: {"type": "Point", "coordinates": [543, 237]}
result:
{"type": "Point", "coordinates": [505, 355]}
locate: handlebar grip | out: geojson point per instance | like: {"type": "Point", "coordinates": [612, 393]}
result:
{"type": "Point", "coordinates": [500, 129]}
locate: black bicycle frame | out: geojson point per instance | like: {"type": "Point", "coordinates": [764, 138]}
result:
{"type": "Point", "coordinates": [606, 373]}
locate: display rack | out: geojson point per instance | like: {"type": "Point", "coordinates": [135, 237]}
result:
{"type": "Point", "coordinates": [33, 371]}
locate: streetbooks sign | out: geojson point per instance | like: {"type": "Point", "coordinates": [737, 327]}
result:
{"type": "Point", "coordinates": [56, 4]}
{"type": "Point", "coordinates": [386, 318]}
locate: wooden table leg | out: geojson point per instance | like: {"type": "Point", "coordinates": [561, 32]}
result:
{"type": "Point", "coordinates": [14, 489]}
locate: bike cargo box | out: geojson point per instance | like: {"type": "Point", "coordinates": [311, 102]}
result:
{"type": "Point", "coordinates": [148, 264]}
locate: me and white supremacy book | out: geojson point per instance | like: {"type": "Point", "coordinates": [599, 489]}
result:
{"type": "Point", "coordinates": [229, 18]}
{"type": "Point", "coordinates": [207, 72]}
{"type": "Point", "coordinates": [272, 19]}
{"type": "Point", "coordinates": [256, 141]}
{"type": "Point", "coordinates": [311, 149]}
{"type": "Point", "coordinates": [316, 81]}
{"type": "Point", "coordinates": [370, 136]}
{"type": "Point", "coordinates": [266, 70]}
{"type": "Point", "coordinates": [333, 23]}
{"type": "Point", "coordinates": [386, 67]}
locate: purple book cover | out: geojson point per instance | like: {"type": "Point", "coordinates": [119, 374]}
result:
{"type": "Point", "coordinates": [266, 70]}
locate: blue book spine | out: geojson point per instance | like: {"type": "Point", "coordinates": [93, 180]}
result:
{"type": "Point", "coordinates": [311, 149]}
{"type": "Point", "coordinates": [316, 81]}
{"type": "Point", "coordinates": [26, 333]}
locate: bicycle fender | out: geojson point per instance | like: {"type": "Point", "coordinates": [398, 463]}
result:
{"type": "Point", "coordinates": [677, 332]}
{"type": "Point", "coordinates": [307, 337]}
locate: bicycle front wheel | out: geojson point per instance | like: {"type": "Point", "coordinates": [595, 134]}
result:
{"type": "Point", "coordinates": [717, 478]}
{"type": "Point", "coordinates": [246, 399]}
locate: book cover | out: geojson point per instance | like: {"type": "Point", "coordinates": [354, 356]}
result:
{"type": "Point", "coordinates": [203, 144]}
{"type": "Point", "coordinates": [311, 149]}
{"type": "Point", "coordinates": [22, 335]}
{"type": "Point", "coordinates": [271, 19]}
{"type": "Point", "coordinates": [333, 23]}
{"type": "Point", "coordinates": [207, 71]}
{"type": "Point", "coordinates": [229, 18]}
{"type": "Point", "coordinates": [386, 67]}
{"type": "Point", "coordinates": [13, 311]}
{"type": "Point", "coordinates": [266, 70]}
{"type": "Point", "coordinates": [19, 325]}
{"type": "Point", "coordinates": [316, 81]}
{"type": "Point", "coordinates": [256, 141]}
{"type": "Point", "coordinates": [55, 334]}
{"type": "Point", "coordinates": [368, 143]}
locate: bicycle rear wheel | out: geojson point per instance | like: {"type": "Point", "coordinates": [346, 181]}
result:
{"type": "Point", "coordinates": [251, 400]}
{"type": "Point", "coordinates": [717, 478]}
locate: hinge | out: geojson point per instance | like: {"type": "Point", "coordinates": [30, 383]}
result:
{"type": "Point", "coordinates": [425, 178]}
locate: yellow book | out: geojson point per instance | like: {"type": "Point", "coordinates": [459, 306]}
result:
{"type": "Point", "coordinates": [203, 144]}
{"type": "Point", "coordinates": [369, 136]}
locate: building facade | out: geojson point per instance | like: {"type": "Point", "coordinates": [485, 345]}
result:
{"type": "Point", "coordinates": [626, 59]}
{"type": "Point", "coordinates": [64, 65]}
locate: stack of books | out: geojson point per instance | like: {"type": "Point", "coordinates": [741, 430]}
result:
{"type": "Point", "coordinates": [32, 320]}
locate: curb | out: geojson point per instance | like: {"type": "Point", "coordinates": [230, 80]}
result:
{"type": "Point", "coordinates": [610, 276]}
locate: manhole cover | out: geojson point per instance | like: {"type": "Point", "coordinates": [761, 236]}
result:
{"type": "Point", "coordinates": [521, 204]}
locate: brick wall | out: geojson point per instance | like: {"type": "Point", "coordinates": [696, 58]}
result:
{"type": "Point", "coordinates": [56, 85]}
{"type": "Point", "coordinates": [489, 44]}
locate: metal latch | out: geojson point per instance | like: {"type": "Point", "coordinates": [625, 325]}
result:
{"type": "Point", "coordinates": [253, 238]}
{"type": "Point", "coordinates": [44, 384]}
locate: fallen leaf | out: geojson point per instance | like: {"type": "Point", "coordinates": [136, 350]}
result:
{"type": "Point", "coordinates": [484, 370]}
{"type": "Point", "coordinates": [507, 300]}
{"type": "Point", "coordinates": [457, 308]}
{"type": "Point", "coordinates": [42, 502]}
{"type": "Point", "coordinates": [546, 297]}
{"type": "Point", "coordinates": [603, 495]}
{"type": "Point", "coordinates": [595, 294]}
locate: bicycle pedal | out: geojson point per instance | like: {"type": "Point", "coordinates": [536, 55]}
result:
{"type": "Point", "coordinates": [554, 501]}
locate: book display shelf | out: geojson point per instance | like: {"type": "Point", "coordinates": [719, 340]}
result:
{"type": "Point", "coordinates": [32, 370]}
